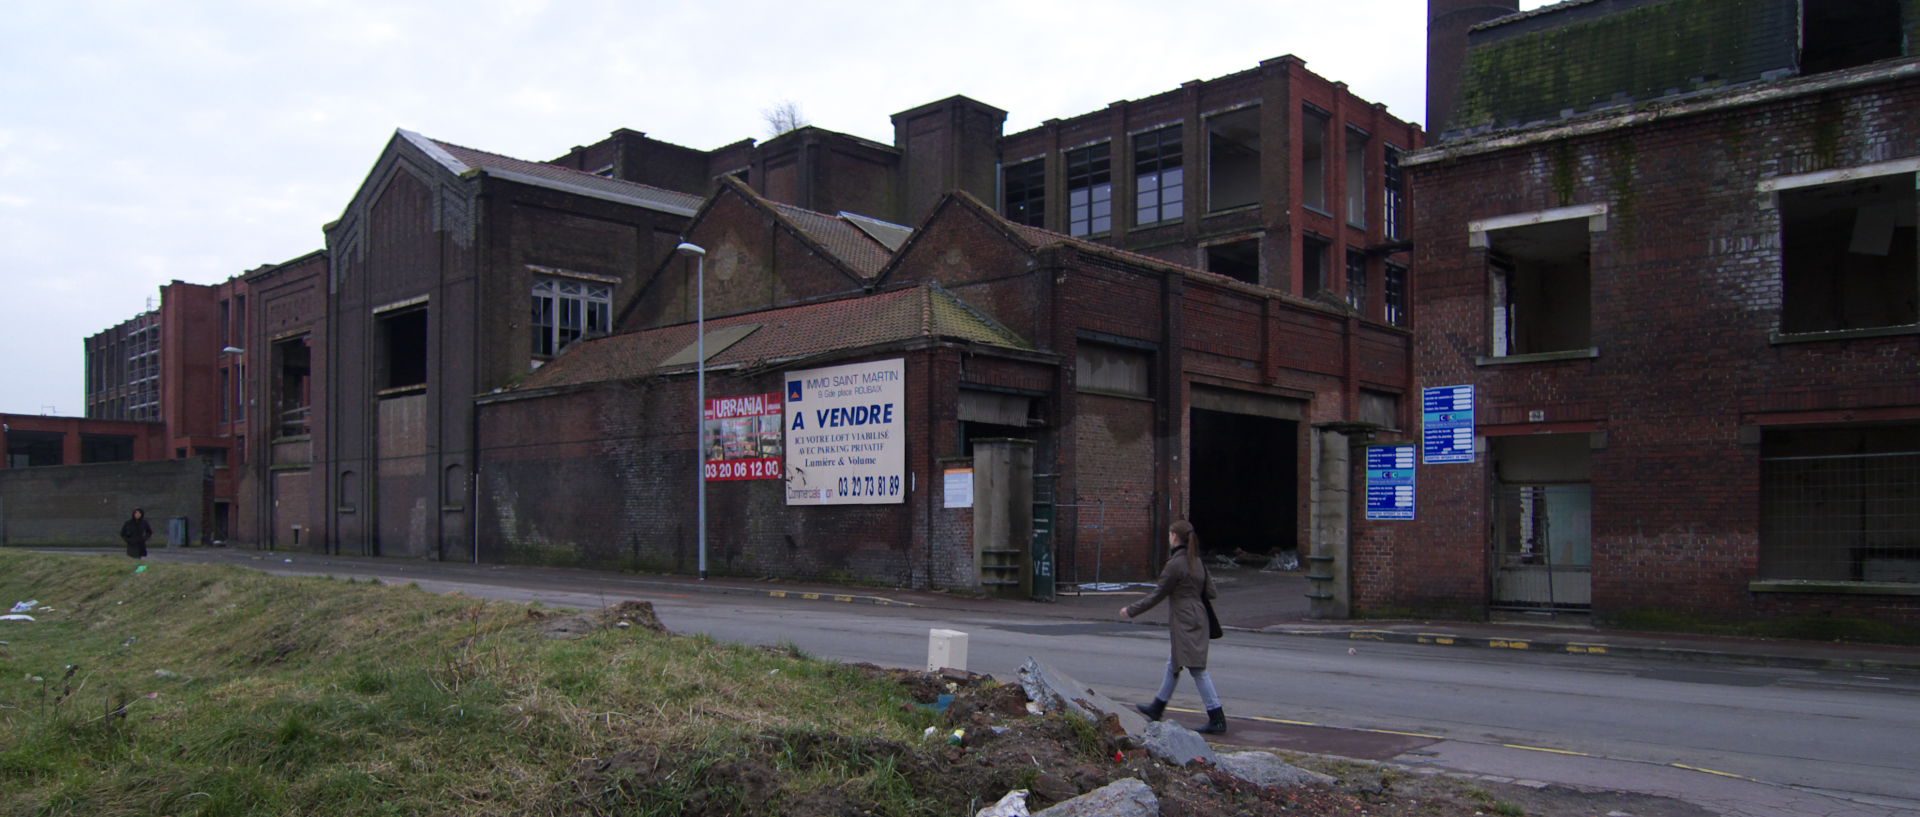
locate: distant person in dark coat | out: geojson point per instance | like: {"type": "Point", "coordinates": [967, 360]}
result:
{"type": "Point", "coordinates": [1184, 583]}
{"type": "Point", "coordinates": [135, 532]}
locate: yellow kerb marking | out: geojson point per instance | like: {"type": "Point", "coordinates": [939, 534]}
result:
{"type": "Point", "coordinates": [810, 596]}
{"type": "Point", "coordinates": [1587, 649]}
{"type": "Point", "coordinates": [1509, 645]}
{"type": "Point", "coordinates": [1544, 749]}
{"type": "Point", "coordinates": [1710, 771]}
{"type": "Point", "coordinates": [843, 598]}
{"type": "Point", "coordinates": [1436, 639]}
{"type": "Point", "coordinates": [778, 594]}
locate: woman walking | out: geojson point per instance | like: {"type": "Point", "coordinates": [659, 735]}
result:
{"type": "Point", "coordinates": [135, 532]}
{"type": "Point", "coordinates": [1185, 584]}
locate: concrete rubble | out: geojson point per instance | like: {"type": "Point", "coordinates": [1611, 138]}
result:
{"type": "Point", "coordinates": [1121, 798]}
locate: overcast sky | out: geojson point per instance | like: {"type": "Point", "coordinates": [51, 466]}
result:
{"type": "Point", "coordinates": [145, 142]}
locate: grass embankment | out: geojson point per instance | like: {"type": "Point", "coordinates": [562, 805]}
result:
{"type": "Point", "coordinates": [206, 690]}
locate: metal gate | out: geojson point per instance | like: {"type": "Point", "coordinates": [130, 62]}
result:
{"type": "Point", "coordinates": [1543, 546]}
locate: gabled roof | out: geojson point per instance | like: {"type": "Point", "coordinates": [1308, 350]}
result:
{"type": "Point", "coordinates": [460, 160]}
{"type": "Point", "coordinates": [1034, 239]}
{"type": "Point", "coordinates": [793, 333]}
{"type": "Point", "coordinates": [861, 244]}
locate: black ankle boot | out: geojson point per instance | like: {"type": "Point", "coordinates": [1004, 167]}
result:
{"type": "Point", "coordinates": [1154, 710]}
{"type": "Point", "coordinates": [1216, 722]}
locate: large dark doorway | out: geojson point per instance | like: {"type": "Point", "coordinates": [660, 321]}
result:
{"type": "Point", "coordinates": [1245, 482]}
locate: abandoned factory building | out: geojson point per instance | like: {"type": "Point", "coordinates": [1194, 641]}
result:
{"type": "Point", "coordinates": [1667, 260]}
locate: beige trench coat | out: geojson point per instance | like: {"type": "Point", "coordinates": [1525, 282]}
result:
{"type": "Point", "coordinates": [1187, 617]}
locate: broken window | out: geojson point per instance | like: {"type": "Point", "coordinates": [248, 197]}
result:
{"type": "Point", "coordinates": [1313, 266]}
{"type": "Point", "coordinates": [1239, 260]}
{"type": "Point", "coordinates": [1101, 367]}
{"type": "Point", "coordinates": [217, 456]}
{"type": "Point", "coordinates": [1357, 280]}
{"type": "Point", "coordinates": [1159, 180]}
{"type": "Point", "coordinates": [1838, 34]}
{"type": "Point", "coordinates": [1847, 255]}
{"type": "Point", "coordinates": [1541, 287]}
{"type": "Point", "coordinates": [1089, 190]}
{"type": "Point", "coordinates": [1356, 187]}
{"type": "Point", "coordinates": [1313, 158]}
{"type": "Point", "coordinates": [291, 400]}
{"type": "Point", "coordinates": [1025, 188]}
{"type": "Point", "coordinates": [403, 345]}
{"type": "Point", "coordinates": [226, 395]}
{"type": "Point", "coordinates": [1396, 195]}
{"type": "Point", "coordinates": [565, 311]}
{"type": "Point", "coordinates": [1233, 159]}
{"type": "Point", "coordinates": [1395, 293]}
{"type": "Point", "coordinates": [1840, 504]}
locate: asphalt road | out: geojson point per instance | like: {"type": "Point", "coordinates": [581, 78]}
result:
{"type": "Point", "coordinates": [1739, 740]}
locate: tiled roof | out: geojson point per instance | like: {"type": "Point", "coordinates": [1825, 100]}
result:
{"type": "Point", "coordinates": [1036, 238]}
{"type": "Point", "coordinates": [784, 334]}
{"type": "Point", "coordinates": [855, 247]}
{"type": "Point", "coordinates": [461, 159]}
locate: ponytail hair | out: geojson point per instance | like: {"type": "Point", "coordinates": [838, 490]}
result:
{"type": "Point", "coordinates": [1183, 532]}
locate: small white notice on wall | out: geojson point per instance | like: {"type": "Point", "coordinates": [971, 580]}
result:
{"type": "Point", "coordinates": [959, 487]}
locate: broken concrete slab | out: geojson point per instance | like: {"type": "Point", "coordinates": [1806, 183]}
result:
{"type": "Point", "coordinates": [1121, 798]}
{"type": "Point", "coordinates": [1053, 688]}
{"type": "Point", "coordinates": [1176, 744]}
{"type": "Point", "coordinates": [1263, 769]}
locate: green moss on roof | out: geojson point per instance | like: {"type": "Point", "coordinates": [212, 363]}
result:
{"type": "Point", "coordinates": [1624, 56]}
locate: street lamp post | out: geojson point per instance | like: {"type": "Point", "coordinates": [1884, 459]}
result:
{"type": "Point", "coordinates": [699, 254]}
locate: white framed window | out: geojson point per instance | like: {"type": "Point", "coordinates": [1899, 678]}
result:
{"type": "Point", "coordinates": [565, 311]}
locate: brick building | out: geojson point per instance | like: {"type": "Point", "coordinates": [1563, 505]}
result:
{"type": "Point", "coordinates": [1274, 176]}
{"type": "Point", "coordinates": [1148, 391]}
{"type": "Point", "coordinates": [1670, 245]}
{"type": "Point", "coordinates": [182, 365]}
{"type": "Point", "coordinates": [283, 498]}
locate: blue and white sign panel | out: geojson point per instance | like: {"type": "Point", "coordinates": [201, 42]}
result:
{"type": "Point", "coordinates": [1446, 425]}
{"type": "Point", "coordinates": [1390, 481]}
{"type": "Point", "coordinates": [846, 434]}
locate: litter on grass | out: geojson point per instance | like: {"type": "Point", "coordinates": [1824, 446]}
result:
{"type": "Point", "coordinates": [24, 606]}
{"type": "Point", "coordinates": [16, 617]}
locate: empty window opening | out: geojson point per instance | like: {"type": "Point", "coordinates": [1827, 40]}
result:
{"type": "Point", "coordinates": [1848, 255]}
{"type": "Point", "coordinates": [1394, 292]}
{"type": "Point", "coordinates": [1380, 408]}
{"type": "Point", "coordinates": [1356, 185]}
{"type": "Point", "coordinates": [1159, 180]}
{"type": "Point", "coordinates": [226, 395]}
{"type": "Point", "coordinates": [1543, 544]}
{"type": "Point", "coordinates": [1357, 280]}
{"type": "Point", "coordinates": [1840, 504]}
{"type": "Point", "coordinates": [1239, 260]}
{"type": "Point", "coordinates": [565, 311]}
{"type": "Point", "coordinates": [1089, 190]}
{"type": "Point", "coordinates": [31, 449]}
{"type": "Point", "coordinates": [403, 343]}
{"type": "Point", "coordinates": [1313, 159]}
{"type": "Point", "coordinates": [1840, 34]}
{"type": "Point", "coordinates": [1025, 188]}
{"type": "Point", "coordinates": [1313, 266]}
{"type": "Point", "coordinates": [1395, 204]}
{"type": "Point", "coordinates": [106, 448]}
{"type": "Point", "coordinates": [1109, 369]}
{"type": "Point", "coordinates": [1245, 477]}
{"type": "Point", "coordinates": [290, 393]}
{"type": "Point", "coordinates": [1233, 159]}
{"type": "Point", "coordinates": [217, 456]}
{"type": "Point", "coordinates": [1541, 288]}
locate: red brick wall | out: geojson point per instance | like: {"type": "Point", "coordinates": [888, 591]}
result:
{"type": "Point", "coordinates": [1685, 296]}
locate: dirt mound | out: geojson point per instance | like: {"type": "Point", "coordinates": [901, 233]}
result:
{"type": "Point", "coordinates": [624, 615]}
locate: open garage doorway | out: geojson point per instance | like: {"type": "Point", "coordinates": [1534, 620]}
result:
{"type": "Point", "coordinates": [1244, 478]}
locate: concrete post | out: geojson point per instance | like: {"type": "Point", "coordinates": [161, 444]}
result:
{"type": "Point", "coordinates": [1331, 594]}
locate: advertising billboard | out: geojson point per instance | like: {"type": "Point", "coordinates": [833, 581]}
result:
{"type": "Point", "coordinates": [741, 439]}
{"type": "Point", "coordinates": [846, 434]}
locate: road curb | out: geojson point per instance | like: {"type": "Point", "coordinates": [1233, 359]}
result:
{"type": "Point", "coordinates": [796, 595]}
{"type": "Point", "coordinates": [1561, 646]}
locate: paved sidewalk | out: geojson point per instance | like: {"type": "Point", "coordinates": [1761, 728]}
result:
{"type": "Point", "coordinates": [1250, 601]}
